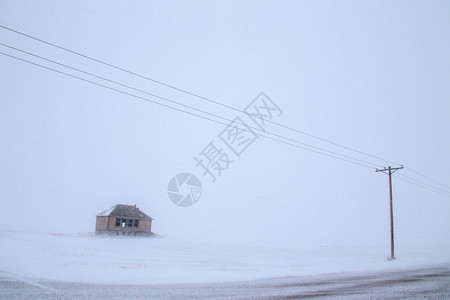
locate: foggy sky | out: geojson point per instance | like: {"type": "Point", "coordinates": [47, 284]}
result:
{"type": "Point", "coordinates": [370, 75]}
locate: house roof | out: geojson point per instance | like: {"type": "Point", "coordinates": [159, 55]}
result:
{"type": "Point", "coordinates": [127, 211]}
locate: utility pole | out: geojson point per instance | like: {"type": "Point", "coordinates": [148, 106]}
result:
{"type": "Point", "coordinates": [389, 170]}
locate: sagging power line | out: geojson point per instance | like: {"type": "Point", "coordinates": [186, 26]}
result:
{"type": "Point", "coordinates": [297, 144]}
{"type": "Point", "coordinates": [187, 106]}
{"type": "Point", "coordinates": [421, 184]}
{"type": "Point", "coordinates": [336, 155]}
{"type": "Point", "coordinates": [190, 93]}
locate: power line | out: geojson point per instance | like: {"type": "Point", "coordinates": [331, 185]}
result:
{"type": "Point", "coordinates": [184, 111]}
{"type": "Point", "coordinates": [217, 103]}
{"type": "Point", "coordinates": [422, 186]}
{"type": "Point", "coordinates": [427, 177]}
{"type": "Point", "coordinates": [425, 184]}
{"type": "Point", "coordinates": [350, 159]}
{"type": "Point", "coordinates": [186, 106]}
{"type": "Point", "coordinates": [193, 94]}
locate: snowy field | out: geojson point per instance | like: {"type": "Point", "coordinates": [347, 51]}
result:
{"type": "Point", "coordinates": [425, 283]}
{"type": "Point", "coordinates": [86, 258]}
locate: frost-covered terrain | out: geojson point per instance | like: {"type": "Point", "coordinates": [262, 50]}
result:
{"type": "Point", "coordinates": [430, 282]}
{"type": "Point", "coordinates": [87, 258]}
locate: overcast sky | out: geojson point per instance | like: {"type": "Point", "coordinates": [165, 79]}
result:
{"type": "Point", "coordinates": [370, 75]}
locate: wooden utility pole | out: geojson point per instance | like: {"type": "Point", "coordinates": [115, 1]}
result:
{"type": "Point", "coordinates": [389, 170]}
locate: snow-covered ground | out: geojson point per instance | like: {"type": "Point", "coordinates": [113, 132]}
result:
{"type": "Point", "coordinates": [87, 258]}
{"type": "Point", "coordinates": [422, 283]}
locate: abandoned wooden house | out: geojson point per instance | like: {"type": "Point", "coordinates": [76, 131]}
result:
{"type": "Point", "coordinates": [124, 220]}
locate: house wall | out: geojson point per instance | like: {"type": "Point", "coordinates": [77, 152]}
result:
{"type": "Point", "coordinates": [101, 224]}
{"type": "Point", "coordinates": [144, 226]}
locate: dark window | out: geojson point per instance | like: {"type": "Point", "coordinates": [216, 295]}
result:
{"type": "Point", "coordinates": [130, 223]}
{"type": "Point", "coordinates": [117, 221]}
{"type": "Point", "coordinates": [136, 223]}
{"type": "Point", "coordinates": [124, 222]}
